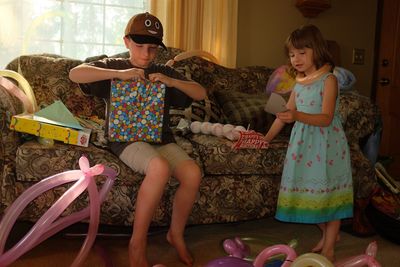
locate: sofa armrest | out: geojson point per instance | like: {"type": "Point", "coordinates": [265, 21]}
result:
{"type": "Point", "coordinates": [10, 140]}
{"type": "Point", "coordinates": [359, 116]}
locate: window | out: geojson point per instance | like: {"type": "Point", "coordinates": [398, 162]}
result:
{"type": "Point", "coordinates": [76, 29]}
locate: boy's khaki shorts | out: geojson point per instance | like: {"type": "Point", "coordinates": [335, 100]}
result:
{"type": "Point", "coordinates": [138, 155]}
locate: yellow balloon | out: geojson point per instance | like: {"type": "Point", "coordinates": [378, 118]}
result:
{"type": "Point", "coordinates": [197, 53]}
{"type": "Point", "coordinates": [24, 85]}
{"type": "Point", "coordinates": [311, 260]}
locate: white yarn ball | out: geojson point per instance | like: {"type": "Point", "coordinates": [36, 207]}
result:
{"type": "Point", "coordinates": [227, 128]}
{"type": "Point", "coordinates": [217, 129]}
{"type": "Point", "coordinates": [236, 131]}
{"type": "Point", "coordinates": [205, 127]}
{"type": "Point", "coordinates": [227, 131]}
{"type": "Point", "coordinates": [230, 136]}
{"type": "Point", "coordinates": [240, 128]}
{"type": "Point", "coordinates": [195, 127]}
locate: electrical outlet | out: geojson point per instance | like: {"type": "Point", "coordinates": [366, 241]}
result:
{"type": "Point", "coordinates": [358, 56]}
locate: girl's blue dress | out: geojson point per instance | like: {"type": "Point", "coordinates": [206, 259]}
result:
{"type": "Point", "coordinates": [316, 184]}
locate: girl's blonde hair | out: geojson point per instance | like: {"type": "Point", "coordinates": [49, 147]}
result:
{"type": "Point", "coordinates": [309, 36]}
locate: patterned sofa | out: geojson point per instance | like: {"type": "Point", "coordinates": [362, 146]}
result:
{"type": "Point", "coordinates": [237, 184]}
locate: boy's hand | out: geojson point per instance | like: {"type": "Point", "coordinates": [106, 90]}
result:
{"type": "Point", "coordinates": [132, 73]}
{"type": "Point", "coordinates": [159, 77]}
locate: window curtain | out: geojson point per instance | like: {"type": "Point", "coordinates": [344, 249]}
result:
{"type": "Point", "coordinates": [208, 25]}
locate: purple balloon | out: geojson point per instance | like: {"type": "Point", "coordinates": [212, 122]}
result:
{"type": "Point", "coordinates": [229, 261]}
{"type": "Point", "coordinates": [47, 225]}
{"type": "Point", "coordinates": [236, 248]}
{"type": "Point", "coordinates": [259, 261]}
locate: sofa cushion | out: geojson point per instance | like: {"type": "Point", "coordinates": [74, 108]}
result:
{"type": "Point", "coordinates": [218, 157]}
{"type": "Point", "coordinates": [203, 110]}
{"type": "Point", "coordinates": [35, 161]}
{"type": "Point", "coordinates": [245, 109]}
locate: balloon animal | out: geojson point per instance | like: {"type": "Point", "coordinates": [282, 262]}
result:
{"type": "Point", "coordinates": [311, 259]}
{"type": "Point", "coordinates": [238, 250]}
{"type": "Point", "coordinates": [48, 224]}
{"type": "Point", "coordinates": [26, 95]}
{"type": "Point", "coordinates": [367, 259]}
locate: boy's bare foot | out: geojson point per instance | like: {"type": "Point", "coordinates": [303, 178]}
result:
{"type": "Point", "coordinates": [137, 256]}
{"type": "Point", "coordinates": [179, 244]}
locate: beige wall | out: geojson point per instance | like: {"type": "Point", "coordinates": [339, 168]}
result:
{"type": "Point", "coordinates": [264, 25]}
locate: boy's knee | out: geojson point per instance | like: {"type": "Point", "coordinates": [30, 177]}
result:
{"type": "Point", "coordinates": [188, 171]}
{"type": "Point", "coordinates": [160, 166]}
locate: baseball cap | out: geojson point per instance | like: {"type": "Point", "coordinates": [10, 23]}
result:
{"type": "Point", "coordinates": [145, 28]}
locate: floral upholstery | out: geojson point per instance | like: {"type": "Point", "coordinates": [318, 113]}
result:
{"type": "Point", "coordinates": [236, 185]}
{"type": "Point", "coordinates": [53, 83]}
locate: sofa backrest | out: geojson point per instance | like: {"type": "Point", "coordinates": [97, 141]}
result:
{"type": "Point", "coordinates": [48, 76]}
{"type": "Point", "coordinates": [215, 77]}
{"type": "Point", "coordinates": [237, 94]}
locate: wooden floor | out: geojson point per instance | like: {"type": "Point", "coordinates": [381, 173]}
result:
{"type": "Point", "coordinates": [204, 241]}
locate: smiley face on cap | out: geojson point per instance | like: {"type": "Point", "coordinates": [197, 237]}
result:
{"type": "Point", "coordinates": [145, 24]}
{"type": "Point", "coordinates": [152, 25]}
{"type": "Point", "coordinates": [145, 28]}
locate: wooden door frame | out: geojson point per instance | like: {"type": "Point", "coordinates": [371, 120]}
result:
{"type": "Point", "coordinates": [378, 30]}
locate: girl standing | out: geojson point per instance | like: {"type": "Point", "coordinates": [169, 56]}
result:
{"type": "Point", "coordinates": [316, 184]}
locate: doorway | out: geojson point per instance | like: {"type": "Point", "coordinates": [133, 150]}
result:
{"type": "Point", "coordinates": [386, 91]}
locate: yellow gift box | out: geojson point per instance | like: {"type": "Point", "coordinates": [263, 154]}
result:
{"type": "Point", "coordinates": [26, 123]}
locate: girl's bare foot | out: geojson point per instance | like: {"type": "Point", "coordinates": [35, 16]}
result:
{"type": "Point", "coordinates": [179, 244]}
{"type": "Point", "coordinates": [320, 244]}
{"type": "Point", "coordinates": [330, 255]}
{"type": "Point", "coordinates": [137, 256]}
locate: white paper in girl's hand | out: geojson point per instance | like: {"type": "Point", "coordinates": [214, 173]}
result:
{"type": "Point", "coordinates": [275, 104]}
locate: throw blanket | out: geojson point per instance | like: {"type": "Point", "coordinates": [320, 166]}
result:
{"type": "Point", "coordinates": [346, 79]}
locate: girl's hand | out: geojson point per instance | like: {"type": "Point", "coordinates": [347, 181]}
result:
{"type": "Point", "coordinates": [288, 116]}
{"type": "Point", "coordinates": [159, 77]}
{"type": "Point", "coordinates": [133, 73]}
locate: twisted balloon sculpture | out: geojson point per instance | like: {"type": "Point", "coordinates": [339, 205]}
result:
{"type": "Point", "coordinates": [238, 251]}
{"type": "Point", "coordinates": [367, 259]}
{"type": "Point", "coordinates": [48, 224]}
{"type": "Point", "coordinates": [26, 96]}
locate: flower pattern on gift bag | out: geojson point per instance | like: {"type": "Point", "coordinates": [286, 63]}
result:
{"type": "Point", "coordinates": [136, 110]}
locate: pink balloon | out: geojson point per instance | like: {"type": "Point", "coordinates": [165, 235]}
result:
{"type": "Point", "coordinates": [367, 259]}
{"type": "Point", "coordinates": [264, 255]}
{"type": "Point", "coordinates": [260, 260]}
{"type": "Point", "coordinates": [47, 225]}
{"type": "Point", "coordinates": [372, 249]}
{"type": "Point", "coordinates": [358, 261]}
